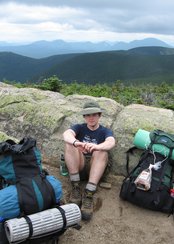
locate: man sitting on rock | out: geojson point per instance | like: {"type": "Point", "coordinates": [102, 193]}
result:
{"type": "Point", "coordinates": [92, 141]}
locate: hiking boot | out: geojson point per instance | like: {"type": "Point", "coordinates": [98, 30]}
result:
{"type": "Point", "coordinates": [76, 196]}
{"type": "Point", "coordinates": [87, 205]}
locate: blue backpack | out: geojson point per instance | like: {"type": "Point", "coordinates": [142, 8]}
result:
{"type": "Point", "coordinates": [21, 172]}
{"type": "Point", "coordinates": [19, 160]}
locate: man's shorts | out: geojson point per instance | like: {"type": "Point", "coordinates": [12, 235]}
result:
{"type": "Point", "coordinates": [84, 173]}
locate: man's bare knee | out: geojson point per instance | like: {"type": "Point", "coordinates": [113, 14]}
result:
{"type": "Point", "coordinates": [100, 155]}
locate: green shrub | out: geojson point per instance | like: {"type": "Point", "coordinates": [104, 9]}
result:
{"type": "Point", "coordinates": [159, 95]}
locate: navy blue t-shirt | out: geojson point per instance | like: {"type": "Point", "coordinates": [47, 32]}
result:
{"type": "Point", "coordinates": [84, 134]}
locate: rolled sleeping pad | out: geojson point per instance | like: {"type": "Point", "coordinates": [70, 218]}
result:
{"type": "Point", "coordinates": [43, 223]}
{"type": "Point", "coordinates": [142, 141]}
{"type": "Point", "coordinates": [9, 204]}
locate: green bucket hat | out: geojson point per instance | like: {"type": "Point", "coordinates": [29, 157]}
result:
{"type": "Point", "coordinates": [91, 108]}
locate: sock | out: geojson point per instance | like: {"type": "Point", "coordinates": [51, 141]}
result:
{"type": "Point", "coordinates": [75, 177]}
{"type": "Point", "coordinates": [91, 187]}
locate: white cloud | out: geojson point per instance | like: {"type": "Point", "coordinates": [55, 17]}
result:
{"type": "Point", "coordinates": [86, 20]}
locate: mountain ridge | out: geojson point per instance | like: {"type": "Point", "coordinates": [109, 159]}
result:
{"type": "Point", "coordinates": [138, 64]}
{"type": "Point", "coordinates": [42, 49]}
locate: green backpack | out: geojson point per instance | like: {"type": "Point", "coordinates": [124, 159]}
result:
{"type": "Point", "coordinates": [157, 194]}
{"type": "Point", "coordinates": [163, 138]}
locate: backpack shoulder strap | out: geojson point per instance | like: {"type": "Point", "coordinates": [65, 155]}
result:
{"type": "Point", "coordinates": [128, 152]}
{"type": "Point", "coordinates": [131, 151]}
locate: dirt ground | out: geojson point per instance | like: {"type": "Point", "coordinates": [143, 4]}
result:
{"type": "Point", "coordinates": [116, 221]}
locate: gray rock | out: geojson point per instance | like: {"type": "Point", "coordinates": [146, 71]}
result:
{"type": "Point", "coordinates": [129, 120]}
{"type": "Point", "coordinates": [44, 115]}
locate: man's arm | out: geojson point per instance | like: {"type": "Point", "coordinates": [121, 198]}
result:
{"type": "Point", "coordinates": [108, 144]}
{"type": "Point", "coordinates": [69, 136]}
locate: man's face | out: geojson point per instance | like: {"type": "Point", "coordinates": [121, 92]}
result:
{"type": "Point", "coordinates": [92, 119]}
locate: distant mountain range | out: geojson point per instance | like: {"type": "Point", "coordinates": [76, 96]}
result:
{"type": "Point", "coordinates": [41, 49]}
{"type": "Point", "coordinates": [143, 64]}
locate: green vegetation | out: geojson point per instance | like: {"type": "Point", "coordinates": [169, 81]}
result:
{"type": "Point", "coordinates": [141, 75]}
{"type": "Point", "coordinates": [158, 95]}
{"type": "Point", "coordinates": [52, 83]}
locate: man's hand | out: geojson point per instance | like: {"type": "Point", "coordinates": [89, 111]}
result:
{"type": "Point", "coordinates": [81, 146]}
{"type": "Point", "coordinates": [90, 147]}
{"type": "Point", "coordinates": [85, 147]}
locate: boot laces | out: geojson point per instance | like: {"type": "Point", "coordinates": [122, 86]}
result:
{"type": "Point", "coordinates": [88, 200]}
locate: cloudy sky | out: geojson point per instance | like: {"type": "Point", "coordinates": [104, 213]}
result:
{"type": "Point", "coordinates": [27, 21]}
